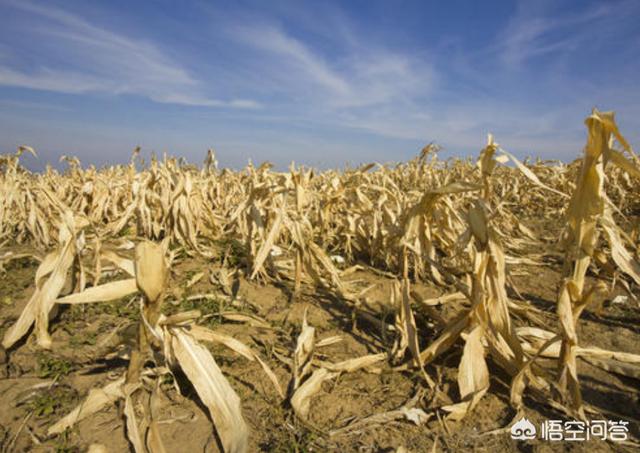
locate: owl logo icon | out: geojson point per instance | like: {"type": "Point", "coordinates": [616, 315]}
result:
{"type": "Point", "coordinates": [523, 430]}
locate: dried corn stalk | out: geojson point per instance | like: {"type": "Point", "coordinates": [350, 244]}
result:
{"type": "Point", "coordinates": [588, 207]}
{"type": "Point", "coordinates": [50, 280]}
{"type": "Point", "coordinates": [419, 220]}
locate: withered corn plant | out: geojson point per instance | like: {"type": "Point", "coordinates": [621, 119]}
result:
{"type": "Point", "coordinates": [464, 228]}
{"type": "Point", "coordinates": [170, 342]}
{"type": "Point", "coordinates": [589, 210]}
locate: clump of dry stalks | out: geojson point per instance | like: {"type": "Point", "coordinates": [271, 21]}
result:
{"type": "Point", "coordinates": [459, 226]}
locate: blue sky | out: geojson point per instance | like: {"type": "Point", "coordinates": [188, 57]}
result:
{"type": "Point", "coordinates": [319, 83]}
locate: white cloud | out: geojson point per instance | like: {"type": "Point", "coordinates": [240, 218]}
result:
{"type": "Point", "coordinates": [53, 80]}
{"type": "Point", "coordinates": [537, 30]}
{"type": "Point", "coordinates": [205, 102]}
{"type": "Point", "coordinates": [314, 67]}
{"type": "Point", "coordinates": [104, 61]}
{"type": "Point", "coordinates": [358, 75]}
{"type": "Point", "coordinates": [328, 81]}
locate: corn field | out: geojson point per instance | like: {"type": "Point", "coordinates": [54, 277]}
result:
{"type": "Point", "coordinates": [430, 269]}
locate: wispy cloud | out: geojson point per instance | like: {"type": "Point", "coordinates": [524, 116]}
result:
{"type": "Point", "coordinates": [105, 62]}
{"type": "Point", "coordinates": [328, 83]}
{"type": "Point", "coordinates": [299, 56]}
{"type": "Point", "coordinates": [30, 105]}
{"type": "Point", "coordinates": [54, 80]}
{"type": "Point", "coordinates": [404, 94]}
{"type": "Point", "coordinates": [360, 75]}
{"type": "Point", "coordinates": [538, 29]}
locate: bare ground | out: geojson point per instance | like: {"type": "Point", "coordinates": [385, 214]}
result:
{"type": "Point", "coordinates": [37, 388]}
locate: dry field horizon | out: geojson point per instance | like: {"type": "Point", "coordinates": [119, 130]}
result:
{"type": "Point", "coordinates": [424, 306]}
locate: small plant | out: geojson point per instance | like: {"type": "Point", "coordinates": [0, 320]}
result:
{"type": "Point", "coordinates": [288, 441]}
{"type": "Point", "coordinates": [209, 307]}
{"type": "Point", "coordinates": [52, 401]}
{"type": "Point", "coordinates": [83, 339]}
{"type": "Point", "coordinates": [233, 251]}
{"type": "Point", "coordinates": [122, 308]}
{"type": "Point", "coordinates": [63, 441]}
{"type": "Point", "coordinates": [50, 366]}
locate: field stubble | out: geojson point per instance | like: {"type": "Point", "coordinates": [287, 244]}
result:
{"type": "Point", "coordinates": [425, 305]}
